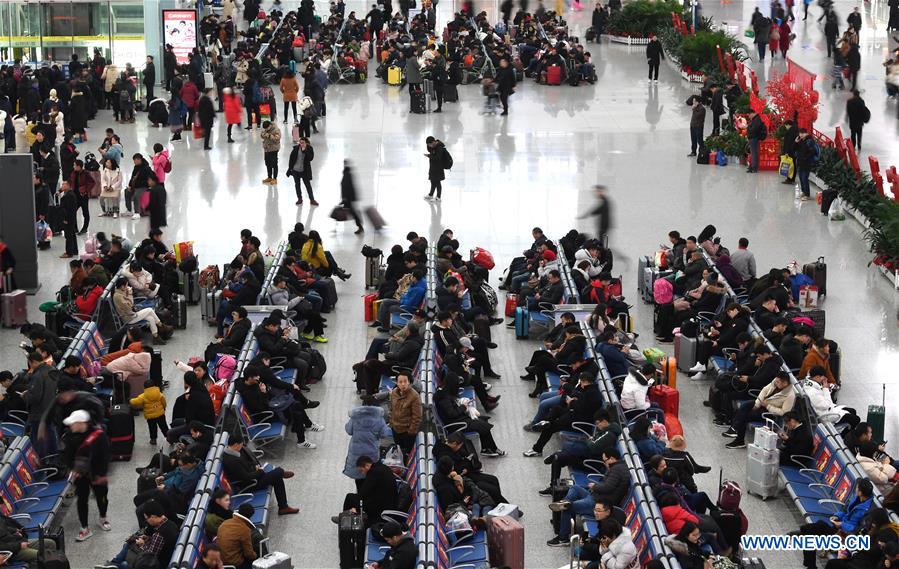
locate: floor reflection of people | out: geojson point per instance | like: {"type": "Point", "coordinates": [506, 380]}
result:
{"type": "Point", "coordinates": [653, 112]}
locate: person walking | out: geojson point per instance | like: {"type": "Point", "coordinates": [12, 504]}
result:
{"type": "Point", "coordinates": [654, 57]}
{"type": "Point", "coordinates": [69, 204]}
{"type": "Point", "coordinates": [717, 107]}
{"type": "Point", "coordinates": [206, 116]}
{"type": "Point", "coordinates": [786, 38]}
{"type": "Point", "coordinates": [82, 183]}
{"type": "Point", "coordinates": [756, 132]}
{"type": "Point", "coordinates": [299, 166]}
{"type": "Point", "coordinates": [831, 32]}
{"type": "Point", "coordinates": [87, 455]}
{"type": "Point", "coordinates": [271, 144]}
{"type": "Point", "coordinates": [858, 114]}
{"type": "Point", "coordinates": [854, 62]}
{"type": "Point", "coordinates": [602, 211]}
{"type": "Point", "coordinates": [697, 124]}
{"type": "Point", "coordinates": [149, 79]}
{"type": "Point", "coordinates": [233, 110]}
{"type": "Point", "coordinates": [762, 29]}
{"type": "Point", "coordinates": [436, 164]}
{"type": "Point", "coordinates": [806, 155]}
{"type": "Point", "coordinates": [348, 196]}
{"type": "Point", "coordinates": [290, 90]}
{"type": "Point", "coordinates": [176, 117]}
{"type": "Point", "coordinates": [505, 84]}
{"type": "Point", "coordinates": [158, 198]}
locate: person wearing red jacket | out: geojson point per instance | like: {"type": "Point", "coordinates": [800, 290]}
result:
{"type": "Point", "coordinates": [82, 183]}
{"type": "Point", "coordinates": [87, 301]}
{"type": "Point", "coordinates": [190, 96]}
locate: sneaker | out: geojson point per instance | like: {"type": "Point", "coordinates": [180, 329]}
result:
{"type": "Point", "coordinates": [731, 433]}
{"type": "Point", "coordinates": [135, 216]}
{"type": "Point", "coordinates": [560, 506]}
{"type": "Point", "coordinates": [307, 445]}
{"type": "Point", "coordinates": [436, 199]}
{"type": "Point", "coordinates": [736, 444]}
{"type": "Point", "coordinates": [488, 386]}
{"type": "Point", "coordinates": [320, 340]}
{"type": "Point", "coordinates": [721, 422]}
{"type": "Point", "coordinates": [109, 565]}
{"type": "Point", "coordinates": [308, 335]}
{"type": "Point", "coordinates": [84, 534]}
{"type": "Point", "coordinates": [152, 442]}
{"type": "Point", "coordinates": [530, 453]}
{"type": "Point", "coordinates": [697, 368]}
{"type": "Point", "coordinates": [317, 428]}
{"type": "Point", "coordinates": [493, 452]}
{"type": "Point", "coordinates": [557, 542]}
{"type": "Point", "coordinates": [539, 426]}
{"type": "Point", "coordinates": [428, 198]}
{"type": "Point", "coordinates": [529, 427]}
{"type": "Point", "coordinates": [105, 525]}
{"type": "Point", "coordinates": [115, 215]}
{"type": "Point", "coordinates": [548, 491]}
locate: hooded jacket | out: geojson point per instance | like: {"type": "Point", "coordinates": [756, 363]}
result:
{"type": "Point", "coordinates": [621, 553]}
{"type": "Point", "coordinates": [634, 394]}
{"type": "Point", "coordinates": [366, 427]}
{"type": "Point", "coordinates": [152, 400]}
{"type": "Point", "coordinates": [131, 365]}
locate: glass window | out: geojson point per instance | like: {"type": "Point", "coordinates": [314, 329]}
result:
{"type": "Point", "coordinates": [25, 30]}
{"type": "Point", "coordinates": [127, 31]}
{"type": "Point", "coordinates": [58, 27]}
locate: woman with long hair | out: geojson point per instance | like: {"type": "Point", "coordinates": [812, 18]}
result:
{"type": "Point", "coordinates": [110, 188]}
{"type": "Point", "coordinates": [313, 252]}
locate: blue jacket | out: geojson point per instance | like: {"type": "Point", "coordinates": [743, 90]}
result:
{"type": "Point", "coordinates": [366, 428]}
{"type": "Point", "coordinates": [616, 362]}
{"type": "Point", "coordinates": [853, 514]}
{"type": "Point", "coordinates": [649, 447]}
{"type": "Point", "coordinates": [183, 481]}
{"type": "Point", "coordinates": [414, 296]}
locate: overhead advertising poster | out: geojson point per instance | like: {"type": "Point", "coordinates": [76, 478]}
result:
{"type": "Point", "coordinates": [180, 31]}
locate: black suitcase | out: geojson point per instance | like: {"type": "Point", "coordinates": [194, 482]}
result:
{"type": "Point", "coordinates": [54, 559]}
{"type": "Point", "coordinates": [120, 428]}
{"type": "Point", "coordinates": [55, 215]}
{"type": "Point", "coordinates": [817, 316]}
{"type": "Point", "coordinates": [827, 197]}
{"type": "Point", "coordinates": [450, 93]}
{"type": "Point", "coordinates": [330, 298]}
{"type": "Point", "coordinates": [417, 104]}
{"type": "Point", "coordinates": [818, 273]}
{"type": "Point", "coordinates": [351, 540]}
{"type": "Point", "coordinates": [590, 35]}
{"type": "Point", "coordinates": [179, 310]}
{"type": "Point", "coordinates": [190, 286]}
{"type": "Point", "coordinates": [156, 368]}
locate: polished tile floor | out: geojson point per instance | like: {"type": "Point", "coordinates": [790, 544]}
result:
{"type": "Point", "coordinates": [534, 167]}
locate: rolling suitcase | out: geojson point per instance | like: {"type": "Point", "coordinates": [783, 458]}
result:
{"type": "Point", "coordinates": [818, 272]}
{"type": "Point", "coordinates": [369, 304]}
{"type": "Point", "coordinates": [273, 560]}
{"type": "Point", "coordinates": [209, 304]}
{"type": "Point", "coordinates": [179, 310]}
{"type": "Point", "coordinates": [373, 271]}
{"type": "Point", "coordinates": [511, 304]}
{"type": "Point", "coordinates": [762, 469]}
{"type": "Point", "coordinates": [560, 490]}
{"type": "Point", "coordinates": [554, 75]}
{"type": "Point", "coordinates": [156, 367]}
{"type": "Point", "coordinates": [351, 540]}
{"type": "Point", "coordinates": [522, 323]}
{"type": "Point", "coordinates": [377, 221]}
{"type": "Point", "coordinates": [120, 428]}
{"type": "Point", "coordinates": [642, 264]}
{"type": "Point", "coordinates": [450, 93]}
{"type": "Point", "coordinates": [394, 75]}
{"type": "Point", "coordinates": [505, 542]}
{"type": "Point", "coordinates": [666, 397]}
{"type": "Point", "coordinates": [190, 286]}
{"type": "Point", "coordinates": [669, 371]}
{"type": "Point", "coordinates": [876, 417]}
{"type": "Point", "coordinates": [14, 308]}
{"type": "Point", "coordinates": [685, 352]}
{"type": "Point", "coordinates": [330, 298]}
{"type": "Point", "coordinates": [417, 102]}
{"type": "Point", "coordinates": [818, 318]}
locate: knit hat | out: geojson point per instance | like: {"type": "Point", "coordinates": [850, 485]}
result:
{"type": "Point", "coordinates": [549, 255]}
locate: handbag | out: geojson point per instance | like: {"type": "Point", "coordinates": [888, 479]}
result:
{"type": "Point", "coordinates": [340, 213]}
{"type": "Point", "coordinates": [786, 166]}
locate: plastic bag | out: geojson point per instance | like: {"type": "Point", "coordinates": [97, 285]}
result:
{"type": "Point", "coordinates": [836, 210]}
{"type": "Point", "coordinates": [393, 459]}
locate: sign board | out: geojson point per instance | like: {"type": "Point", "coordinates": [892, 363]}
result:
{"type": "Point", "coordinates": [180, 31]}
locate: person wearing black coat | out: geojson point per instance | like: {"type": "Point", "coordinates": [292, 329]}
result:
{"type": "Point", "coordinates": [87, 455]}
{"type": "Point", "coordinates": [169, 63]}
{"type": "Point", "coordinates": [571, 352]}
{"type": "Point", "coordinates": [348, 196]}
{"type": "Point", "coordinates": [403, 553]}
{"type": "Point", "coordinates": [788, 146]}
{"type": "Point", "coordinates": [149, 78]}
{"type": "Point", "coordinates": [468, 465]}
{"type": "Point", "coordinates": [206, 115]}
{"type": "Point", "coordinates": [578, 407]}
{"type": "Point", "coordinates": [858, 114]}
{"type": "Point", "coordinates": [158, 198]}
{"type": "Point", "coordinates": [435, 157]}
{"type": "Point", "coordinates": [234, 337]}
{"type": "Point", "coordinates": [50, 169]}
{"type": "Point", "coordinates": [299, 166]}
{"type": "Point", "coordinates": [450, 411]}
{"type": "Point", "coordinates": [439, 78]}
{"type": "Point", "coordinates": [717, 107]}
{"type": "Point", "coordinates": [797, 440]}
{"type": "Point", "coordinates": [197, 407]}
{"type": "Point", "coordinates": [275, 342]}
{"type": "Point", "coordinates": [755, 133]}
{"type": "Point", "coordinates": [505, 84]}
{"type": "Point", "coordinates": [376, 493]}
{"type": "Point", "coordinates": [654, 57]}
{"type": "Point", "coordinates": [854, 62]}
{"type": "Point", "coordinates": [69, 204]}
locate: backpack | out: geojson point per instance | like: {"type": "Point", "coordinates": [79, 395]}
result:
{"type": "Point", "coordinates": [729, 496]}
{"type": "Point", "coordinates": [90, 163]}
{"type": "Point", "coordinates": [124, 96]}
{"type": "Point", "coordinates": [209, 277]}
{"type": "Point", "coordinates": [403, 496]}
{"type": "Point", "coordinates": [867, 116]}
{"type": "Point", "coordinates": [225, 367]}
{"type": "Point", "coordinates": [317, 365]}
{"type": "Point", "coordinates": [447, 160]}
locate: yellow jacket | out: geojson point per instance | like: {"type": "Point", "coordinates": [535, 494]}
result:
{"type": "Point", "coordinates": [153, 402]}
{"type": "Point", "coordinates": [316, 262]}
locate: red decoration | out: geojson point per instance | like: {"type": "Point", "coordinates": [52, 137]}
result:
{"type": "Point", "coordinates": [893, 179]}
{"type": "Point", "coordinates": [875, 174]}
{"type": "Point", "coordinates": [840, 143]}
{"type": "Point", "coordinates": [791, 100]}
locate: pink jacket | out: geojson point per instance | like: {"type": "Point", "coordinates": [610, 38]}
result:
{"type": "Point", "coordinates": [131, 365]}
{"type": "Point", "coordinates": [159, 161]}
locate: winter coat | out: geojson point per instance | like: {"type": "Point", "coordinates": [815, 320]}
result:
{"type": "Point", "coordinates": [290, 89]}
{"type": "Point", "coordinates": [405, 411]}
{"type": "Point", "coordinates": [88, 304]}
{"type": "Point", "coordinates": [688, 557]}
{"type": "Point", "coordinates": [111, 183]}
{"type": "Point", "coordinates": [633, 394]}
{"type": "Point", "coordinates": [41, 391]}
{"type": "Point", "coordinates": [153, 402]}
{"type": "Point", "coordinates": [435, 162]}
{"type": "Point", "coordinates": [233, 108]}
{"type": "Point", "coordinates": [412, 71]}
{"type": "Point", "coordinates": [271, 138]}
{"type": "Point", "coordinates": [880, 474]}
{"type": "Point", "coordinates": [675, 517]}
{"type": "Point", "coordinates": [109, 77]}
{"type": "Point", "coordinates": [366, 428]}
{"type": "Point", "coordinates": [205, 112]}
{"type": "Point", "coordinates": [822, 402]}
{"type": "Point", "coordinates": [856, 112]}
{"type": "Point", "coordinates": [131, 365]}
{"type": "Point", "coordinates": [159, 160]}
{"type": "Point", "coordinates": [190, 95]}
{"type": "Point", "coordinates": [308, 156]}
{"type": "Point", "coordinates": [621, 553]}
{"type": "Point", "coordinates": [780, 402]}
{"type": "Point", "coordinates": [347, 187]}
{"type": "Point", "coordinates": [316, 261]}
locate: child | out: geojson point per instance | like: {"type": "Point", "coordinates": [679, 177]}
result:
{"type": "Point", "coordinates": [492, 95]}
{"type": "Point", "coordinates": [153, 402]}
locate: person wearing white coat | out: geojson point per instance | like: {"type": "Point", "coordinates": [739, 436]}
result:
{"type": "Point", "coordinates": [634, 392]}
{"type": "Point", "coordinates": [19, 123]}
{"type": "Point", "coordinates": [817, 389]}
{"type": "Point", "coordinates": [110, 188]}
{"type": "Point", "coordinates": [880, 471]}
{"type": "Point", "coordinates": [616, 549]}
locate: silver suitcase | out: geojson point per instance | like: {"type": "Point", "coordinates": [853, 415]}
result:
{"type": "Point", "coordinates": [762, 468]}
{"type": "Point", "coordinates": [273, 560]}
{"type": "Point", "coordinates": [209, 304]}
{"type": "Point", "coordinates": [685, 352]}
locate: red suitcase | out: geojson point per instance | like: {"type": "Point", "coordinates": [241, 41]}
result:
{"type": "Point", "coordinates": [554, 75]}
{"type": "Point", "coordinates": [666, 397]}
{"type": "Point", "coordinates": [673, 426]}
{"type": "Point", "coordinates": [369, 300]}
{"type": "Point", "coordinates": [14, 309]}
{"type": "Point", "coordinates": [511, 304]}
{"type": "Point", "coordinates": [505, 542]}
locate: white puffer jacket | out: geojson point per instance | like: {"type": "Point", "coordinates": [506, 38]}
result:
{"type": "Point", "coordinates": [621, 553]}
{"type": "Point", "coordinates": [633, 394]}
{"type": "Point", "coordinates": [822, 402]}
{"type": "Point", "coordinates": [880, 474]}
